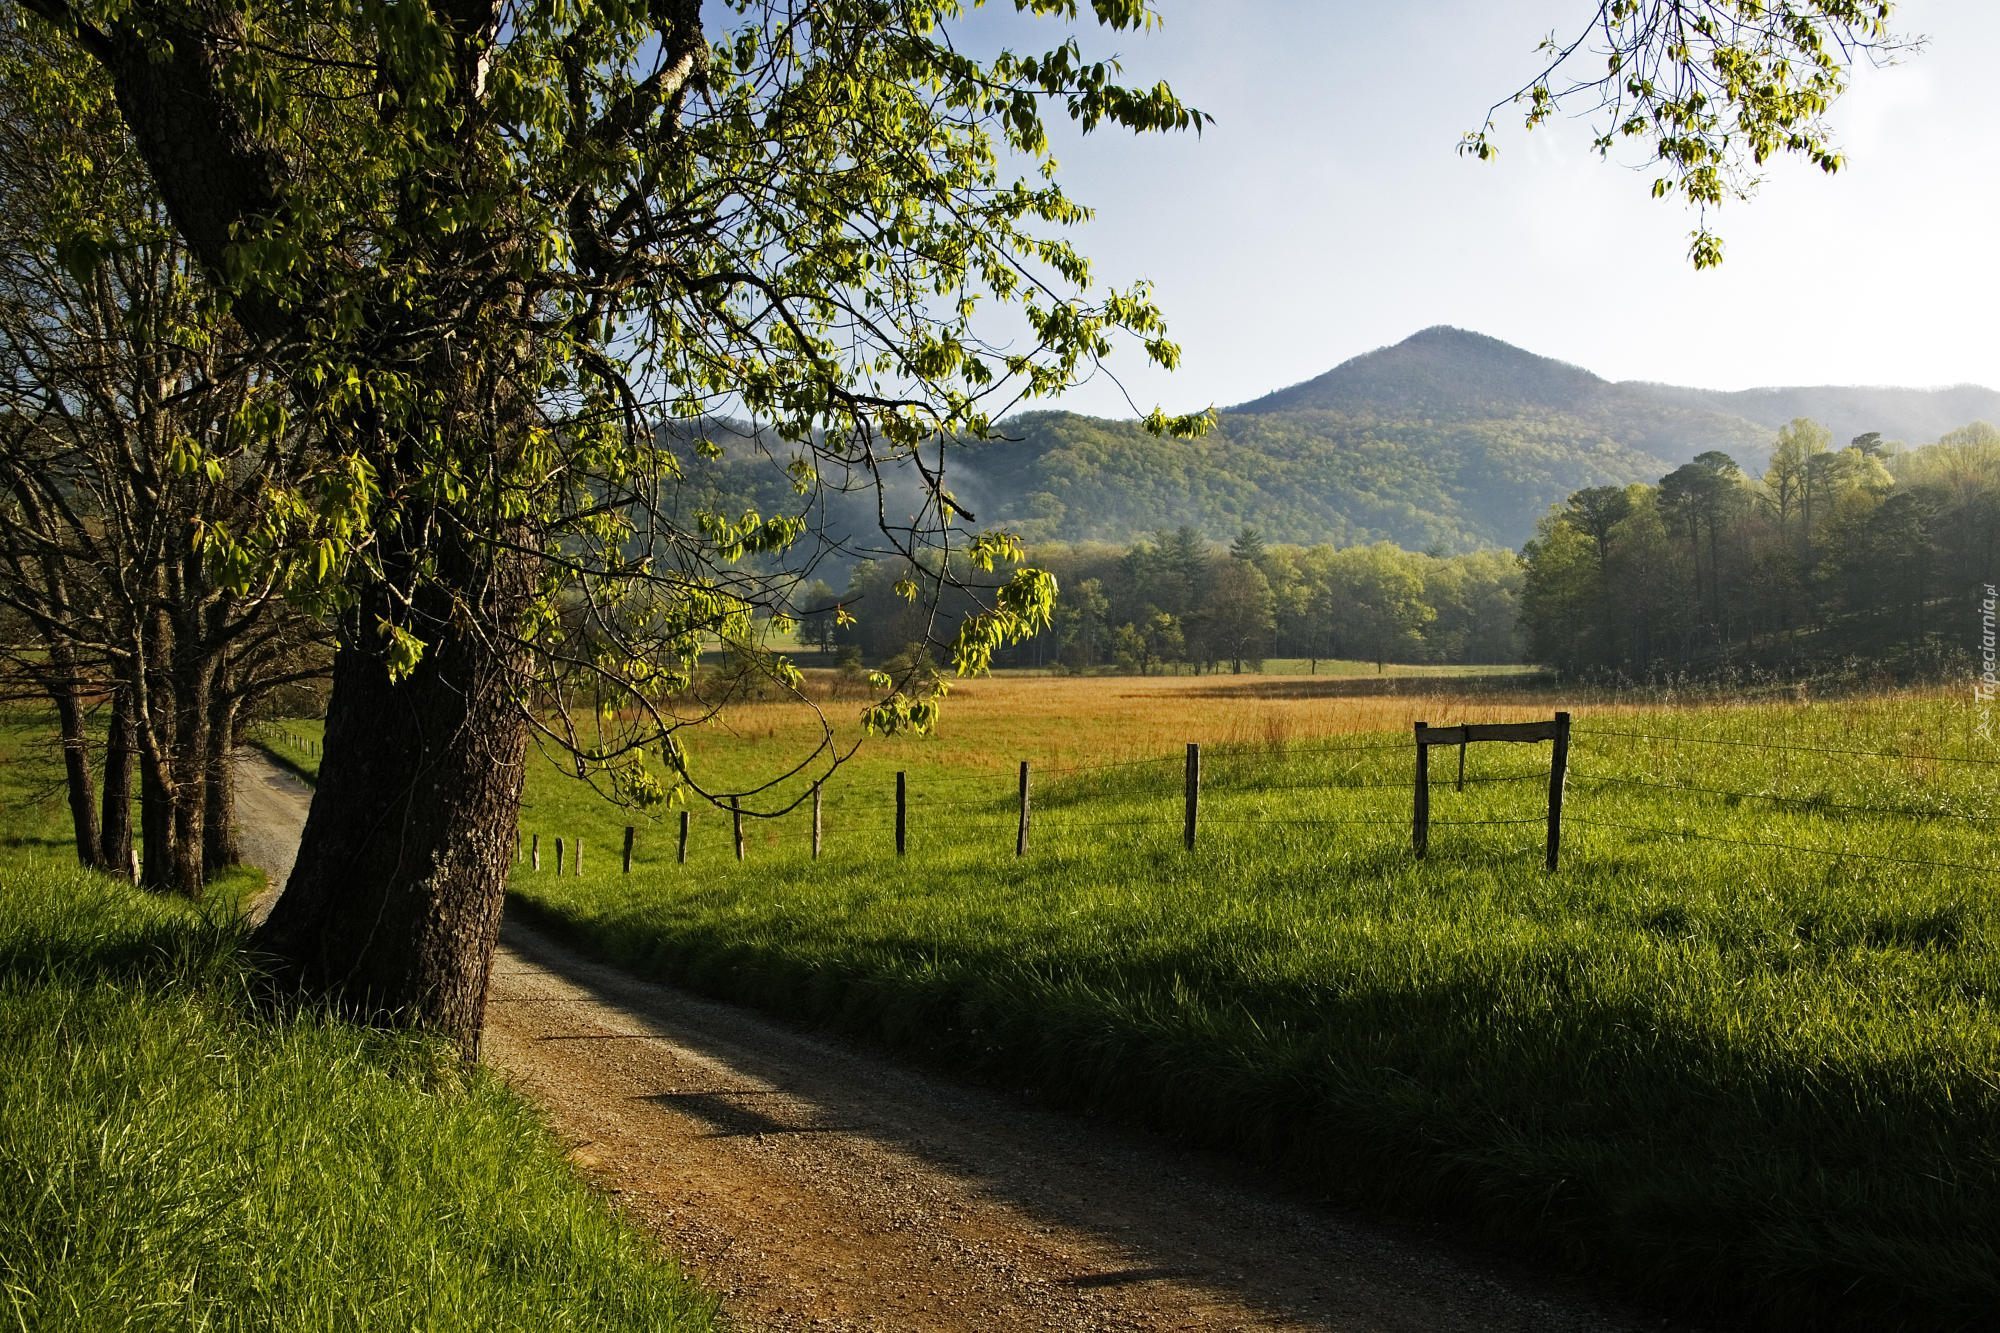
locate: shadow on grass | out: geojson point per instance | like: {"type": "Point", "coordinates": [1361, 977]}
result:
{"type": "Point", "coordinates": [1530, 688]}
{"type": "Point", "coordinates": [1521, 1103]}
{"type": "Point", "coordinates": [197, 952]}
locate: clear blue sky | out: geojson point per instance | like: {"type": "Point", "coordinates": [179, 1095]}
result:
{"type": "Point", "coordinates": [1327, 212]}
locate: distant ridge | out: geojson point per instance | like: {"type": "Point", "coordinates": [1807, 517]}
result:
{"type": "Point", "coordinates": [1448, 440]}
{"type": "Point", "coordinates": [1439, 369]}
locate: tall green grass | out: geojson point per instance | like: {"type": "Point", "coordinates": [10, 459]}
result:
{"type": "Point", "coordinates": [1726, 1074]}
{"type": "Point", "coordinates": [174, 1155]}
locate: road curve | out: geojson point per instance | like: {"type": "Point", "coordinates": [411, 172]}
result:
{"type": "Point", "coordinates": [818, 1186]}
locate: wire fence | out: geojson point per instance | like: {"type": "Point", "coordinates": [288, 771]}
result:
{"type": "Point", "coordinates": [1618, 784]}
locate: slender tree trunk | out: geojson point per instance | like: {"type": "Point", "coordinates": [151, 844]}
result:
{"type": "Point", "coordinates": [219, 848]}
{"type": "Point", "coordinates": [114, 825]}
{"type": "Point", "coordinates": [393, 909]}
{"type": "Point", "coordinates": [76, 768]}
{"type": "Point", "coordinates": [188, 769]}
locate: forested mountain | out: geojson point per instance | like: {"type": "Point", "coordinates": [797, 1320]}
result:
{"type": "Point", "coordinates": [1448, 440]}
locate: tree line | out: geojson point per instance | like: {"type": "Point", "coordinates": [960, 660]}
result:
{"type": "Point", "coordinates": [1867, 551]}
{"type": "Point", "coordinates": [151, 653]}
{"type": "Point", "coordinates": [1178, 602]}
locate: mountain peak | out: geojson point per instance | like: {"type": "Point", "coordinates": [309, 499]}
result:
{"type": "Point", "coordinates": [1440, 371]}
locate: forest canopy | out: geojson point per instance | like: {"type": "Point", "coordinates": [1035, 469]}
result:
{"type": "Point", "coordinates": [1831, 552]}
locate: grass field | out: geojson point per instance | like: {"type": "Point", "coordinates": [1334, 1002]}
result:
{"type": "Point", "coordinates": [174, 1157]}
{"type": "Point", "coordinates": [1708, 1059]}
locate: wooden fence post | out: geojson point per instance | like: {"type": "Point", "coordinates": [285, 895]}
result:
{"type": "Point", "coordinates": [536, 856]}
{"type": "Point", "coordinates": [736, 824]}
{"type": "Point", "coordinates": [1021, 835]}
{"type": "Point", "coordinates": [1420, 817]}
{"type": "Point", "coordinates": [1558, 774]}
{"type": "Point", "coordinates": [1193, 812]}
{"type": "Point", "coordinates": [682, 854]}
{"type": "Point", "coordinates": [628, 849]}
{"type": "Point", "coordinates": [816, 823]}
{"type": "Point", "coordinates": [520, 845]}
{"type": "Point", "coordinates": [1461, 765]}
{"type": "Point", "coordinates": [902, 812]}
{"type": "Point", "coordinates": [559, 856]}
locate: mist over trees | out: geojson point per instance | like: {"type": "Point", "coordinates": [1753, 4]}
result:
{"type": "Point", "coordinates": [1858, 551]}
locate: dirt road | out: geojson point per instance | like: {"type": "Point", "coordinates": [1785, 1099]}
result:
{"type": "Point", "coordinates": [826, 1188]}
{"type": "Point", "coordinates": [270, 811]}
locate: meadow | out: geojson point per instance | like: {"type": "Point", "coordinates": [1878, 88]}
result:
{"type": "Point", "coordinates": [175, 1154]}
{"type": "Point", "coordinates": [1738, 1054]}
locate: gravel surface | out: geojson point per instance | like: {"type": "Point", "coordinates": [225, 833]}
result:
{"type": "Point", "coordinates": [270, 812]}
{"type": "Point", "coordinates": [822, 1187]}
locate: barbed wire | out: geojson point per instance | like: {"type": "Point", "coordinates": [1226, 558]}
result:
{"type": "Point", "coordinates": [1812, 802]}
{"type": "Point", "coordinates": [1331, 747]}
{"type": "Point", "coordinates": [1063, 770]}
{"type": "Point", "coordinates": [1207, 818]}
{"type": "Point", "coordinates": [1834, 853]}
{"type": "Point", "coordinates": [1792, 749]}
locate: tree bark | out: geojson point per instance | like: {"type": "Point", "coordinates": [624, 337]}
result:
{"type": "Point", "coordinates": [219, 848]}
{"type": "Point", "coordinates": [76, 771]}
{"type": "Point", "coordinates": [188, 764]}
{"type": "Point", "coordinates": [114, 825]}
{"type": "Point", "coordinates": [393, 908]}
{"type": "Point", "coordinates": [156, 823]}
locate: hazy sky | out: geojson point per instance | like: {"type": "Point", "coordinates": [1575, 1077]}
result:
{"type": "Point", "coordinates": [1327, 212]}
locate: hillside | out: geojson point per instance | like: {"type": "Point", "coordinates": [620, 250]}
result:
{"type": "Point", "coordinates": [1448, 439]}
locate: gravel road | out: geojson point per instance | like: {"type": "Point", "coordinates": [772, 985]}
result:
{"type": "Point", "coordinates": [823, 1187]}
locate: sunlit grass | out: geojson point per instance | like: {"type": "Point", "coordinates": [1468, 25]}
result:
{"type": "Point", "coordinates": [1730, 1072]}
{"type": "Point", "coordinates": [175, 1156]}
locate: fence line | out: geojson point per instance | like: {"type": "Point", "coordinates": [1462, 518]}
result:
{"type": "Point", "coordinates": [978, 797]}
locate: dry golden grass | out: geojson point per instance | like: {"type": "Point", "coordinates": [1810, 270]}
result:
{"type": "Point", "coordinates": [991, 724]}
{"type": "Point", "coordinates": [997, 721]}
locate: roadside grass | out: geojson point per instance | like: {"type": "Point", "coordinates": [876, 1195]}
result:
{"type": "Point", "coordinates": [175, 1155]}
{"type": "Point", "coordinates": [1730, 1076]}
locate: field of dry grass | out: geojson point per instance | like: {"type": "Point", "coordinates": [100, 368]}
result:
{"type": "Point", "coordinates": [1064, 720]}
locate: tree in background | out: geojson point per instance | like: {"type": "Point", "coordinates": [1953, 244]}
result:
{"type": "Point", "coordinates": [1240, 613]}
{"type": "Point", "coordinates": [1379, 603]}
{"type": "Point", "coordinates": [1248, 546]}
{"type": "Point", "coordinates": [1855, 553]}
{"type": "Point", "coordinates": [1703, 498]}
{"type": "Point", "coordinates": [1082, 625]}
{"type": "Point", "coordinates": [819, 617]}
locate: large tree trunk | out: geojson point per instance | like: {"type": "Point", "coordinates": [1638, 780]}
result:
{"type": "Point", "coordinates": [393, 909]}
{"type": "Point", "coordinates": [114, 826]}
{"type": "Point", "coordinates": [219, 848]}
